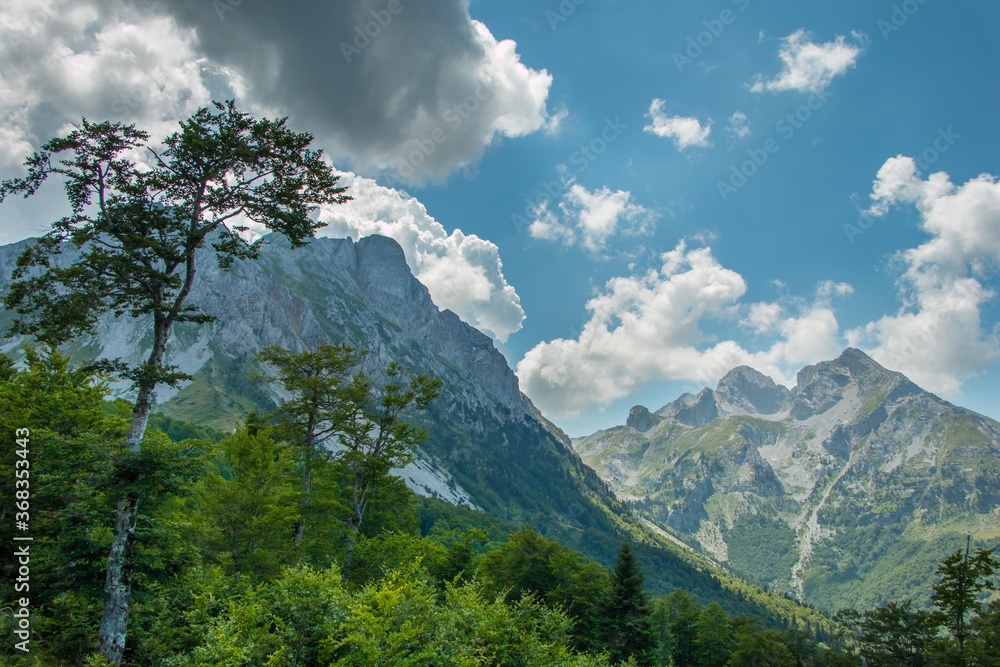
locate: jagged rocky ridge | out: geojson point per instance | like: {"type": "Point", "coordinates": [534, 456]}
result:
{"type": "Point", "coordinates": [844, 490]}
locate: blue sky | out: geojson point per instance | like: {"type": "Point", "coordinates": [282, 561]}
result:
{"type": "Point", "coordinates": [660, 190]}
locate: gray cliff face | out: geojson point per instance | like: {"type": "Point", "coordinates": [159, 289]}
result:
{"type": "Point", "coordinates": [855, 475]}
{"type": "Point", "coordinates": [749, 391]}
{"type": "Point", "coordinates": [330, 291]}
{"type": "Point", "coordinates": [691, 410]}
{"type": "Point", "coordinates": [640, 419]}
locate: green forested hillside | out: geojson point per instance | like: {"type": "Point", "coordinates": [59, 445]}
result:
{"type": "Point", "coordinates": [219, 578]}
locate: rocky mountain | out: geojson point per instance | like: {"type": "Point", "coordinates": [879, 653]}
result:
{"type": "Point", "coordinates": [844, 491]}
{"type": "Point", "coordinates": [334, 290]}
{"type": "Point", "coordinates": [488, 447]}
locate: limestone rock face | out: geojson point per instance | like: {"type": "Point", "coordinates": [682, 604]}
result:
{"type": "Point", "coordinates": [484, 437]}
{"type": "Point", "coordinates": [744, 389]}
{"type": "Point", "coordinates": [641, 419]}
{"type": "Point", "coordinates": [855, 475]}
{"type": "Point", "coordinates": [692, 410]}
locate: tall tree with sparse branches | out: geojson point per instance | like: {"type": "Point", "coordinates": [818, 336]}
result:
{"type": "Point", "coordinates": [375, 437]}
{"type": "Point", "coordinates": [138, 229]}
{"type": "Point", "coordinates": [316, 381]}
{"type": "Point", "coordinates": [963, 578]}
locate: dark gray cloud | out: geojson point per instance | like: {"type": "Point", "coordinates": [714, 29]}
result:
{"type": "Point", "coordinates": [413, 85]}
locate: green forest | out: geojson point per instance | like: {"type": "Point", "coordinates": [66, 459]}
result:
{"type": "Point", "coordinates": [237, 562]}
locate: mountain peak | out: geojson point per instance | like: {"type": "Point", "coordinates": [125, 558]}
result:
{"type": "Point", "coordinates": [641, 419]}
{"type": "Point", "coordinates": [747, 390]}
{"type": "Point", "coordinates": [692, 410]}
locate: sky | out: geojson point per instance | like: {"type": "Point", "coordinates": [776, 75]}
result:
{"type": "Point", "coordinates": [631, 198]}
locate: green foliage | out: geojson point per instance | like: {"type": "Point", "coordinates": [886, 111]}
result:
{"type": "Point", "coordinates": [328, 402]}
{"type": "Point", "coordinates": [763, 547]}
{"type": "Point", "coordinates": [281, 622]}
{"type": "Point", "coordinates": [959, 631]}
{"type": "Point", "coordinates": [402, 621]}
{"type": "Point", "coordinates": [627, 628]}
{"type": "Point", "coordinates": [218, 579]}
{"type": "Point", "coordinates": [241, 513]}
{"type": "Point", "coordinates": [761, 649]}
{"type": "Point", "coordinates": [713, 639]}
{"type": "Point", "coordinates": [984, 641]}
{"type": "Point", "coordinates": [895, 634]}
{"type": "Point", "coordinates": [529, 564]}
{"type": "Point", "coordinates": [77, 467]}
{"type": "Point", "coordinates": [963, 577]}
{"type": "Point", "coordinates": [137, 231]}
{"type": "Point", "coordinates": [684, 614]}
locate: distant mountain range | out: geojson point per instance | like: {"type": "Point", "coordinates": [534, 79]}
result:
{"type": "Point", "coordinates": [844, 491]}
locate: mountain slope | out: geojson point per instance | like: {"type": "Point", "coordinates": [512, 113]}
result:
{"type": "Point", "coordinates": [845, 490]}
{"type": "Point", "coordinates": [488, 446]}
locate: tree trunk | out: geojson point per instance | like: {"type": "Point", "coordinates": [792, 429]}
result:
{"type": "Point", "coordinates": [118, 584]}
{"type": "Point", "coordinates": [300, 525]}
{"type": "Point", "coordinates": [118, 580]}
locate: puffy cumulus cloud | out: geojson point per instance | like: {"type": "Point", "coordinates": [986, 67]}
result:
{"type": "Point", "coordinates": [590, 217]}
{"type": "Point", "coordinates": [62, 60]}
{"type": "Point", "coordinates": [462, 272]}
{"type": "Point", "coordinates": [685, 131]}
{"type": "Point", "coordinates": [650, 327]}
{"type": "Point", "coordinates": [416, 87]}
{"type": "Point", "coordinates": [808, 66]}
{"type": "Point", "coordinates": [938, 337]}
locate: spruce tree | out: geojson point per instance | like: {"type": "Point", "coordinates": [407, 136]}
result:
{"type": "Point", "coordinates": [629, 629]}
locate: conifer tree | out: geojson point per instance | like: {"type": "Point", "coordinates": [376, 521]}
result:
{"type": "Point", "coordinates": [714, 638]}
{"type": "Point", "coordinates": [629, 631]}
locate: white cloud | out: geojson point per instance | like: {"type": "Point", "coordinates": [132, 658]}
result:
{"type": "Point", "coordinates": [810, 67]}
{"type": "Point", "coordinates": [684, 131]}
{"type": "Point", "coordinates": [738, 125]}
{"type": "Point", "coordinates": [554, 121]}
{"type": "Point", "coordinates": [462, 272]}
{"type": "Point", "coordinates": [938, 337]}
{"type": "Point", "coordinates": [650, 327]}
{"type": "Point", "coordinates": [62, 61]}
{"type": "Point", "coordinates": [590, 217]}
{"type": "Point", "coordinates": [548, 226]}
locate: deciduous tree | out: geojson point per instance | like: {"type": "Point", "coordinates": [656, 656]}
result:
{"type": "Point", "coordinates": [137, 230]}
{"type": "Point", "coordinates": [963, 576]}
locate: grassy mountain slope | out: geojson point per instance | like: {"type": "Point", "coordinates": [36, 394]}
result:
{"type": "Point", "coordinates": [845, 491]}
